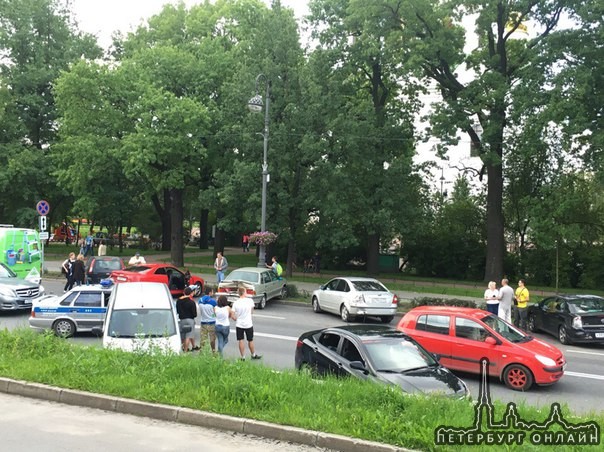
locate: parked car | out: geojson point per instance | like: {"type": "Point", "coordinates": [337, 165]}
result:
{"type": "Point", "coordinates": [377, 353]}
{"type": "Point", "coordinates": [103, 237]}
{"type": "Point", "coordinates": [17, 293]}
{"type": "Point", "coordinates": [100, 267]}
{"type": "Point", "coordinates": [262, 284]}
{"type": "Point", "coordinates": [174, 278]}
{"type": "Point", "coordinates": [352, 297]}
{"type": "Point", "coordinates": [78, 310]}
{"type": "Point", "coordinates": [463, 336]}
{"type": "Point", "coordinates": [571, 318]}
{"type": "Point", "coordinates": [142, 317]}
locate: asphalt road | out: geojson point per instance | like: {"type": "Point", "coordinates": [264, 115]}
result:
{"type": "Point", "coordinates": [279, 325]}
{"type": "Point", "coordinates": [33, 425]}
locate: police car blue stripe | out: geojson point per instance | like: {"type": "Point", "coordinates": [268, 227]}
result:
{"type": "Point", "coordinates": [70, 309]}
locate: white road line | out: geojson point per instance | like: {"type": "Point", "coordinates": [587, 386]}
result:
{"type": "Point", "coordinates": [276, 336]}
{"type": "Point", "coordinates": [583, 352]}
{"type": "Point", "coordinates": [268, 316]}
{"type": "Point", "coordinates": [582, 375]}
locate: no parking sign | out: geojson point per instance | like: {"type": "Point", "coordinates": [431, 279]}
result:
{"type": "Point", "coordinates": [43, 207]}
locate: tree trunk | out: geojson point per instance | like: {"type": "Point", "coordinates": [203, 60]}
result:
{"type": "Point", "coordinates": [219, 238]}
{"type": "Point", "coordinates": [164, 215]}
{"type": "Point", "coordinates": [495, 239]}
{"type": "Point", "coordinates": [177, 214]}
{"type": "Point", "coordinates": [203, 229]}
{"type": "Point", "coordinates": [291, 257]}
{"type": "Point", "coordinates": [373, 254]}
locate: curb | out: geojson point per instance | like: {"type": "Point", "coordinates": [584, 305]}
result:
{"type": "Point", "coordinates": [192, 417]}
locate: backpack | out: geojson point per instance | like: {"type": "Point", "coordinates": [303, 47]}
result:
{"type": "Point", "coordinates": [279, 269]}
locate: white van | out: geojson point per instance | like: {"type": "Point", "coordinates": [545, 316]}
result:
{"type": "Point", "coordinates": [141, 317]}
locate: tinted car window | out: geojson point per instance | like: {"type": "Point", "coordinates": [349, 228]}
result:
{"type": "Point", "coordinates": [469, 329]}
{"type": "Point", "coordinates": [433, 323]}
{"type": "Point", "coordinates": [88, 299]}
{"type": "Point", "coordinates": [368, 286]}
{"type": "Point", "coordinates": [238, 275]}
{"type": "Point", "coordinates": [330, 341]}
{"type": "Point", "coordinates": [508, 331]}
{"type": "Point", "coordinates": [584, 305]}
{"type": "Point", "coordinates": [350, 351]}
{"type": "Point", "coordinates": [397, 355]}
{"type": "Point", "coordinates": [139, 269]}
{"type": "Point", "coordinates": [266, 278]}
{"type": "Point", "coordinates": [106, 265]}
{"type": "Point", "coordinates": [69, 299]}
{"type": "Point", "coordinates": [552, 305]}
{"type": "Point", "coordinates": [343, 286]}
{"type": "Point", "coordinates": [142, 322]}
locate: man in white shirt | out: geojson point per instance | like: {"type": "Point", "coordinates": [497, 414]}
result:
{"type": "Point", "coordinates": [506, 300]}
{"type": "Point", "coordinates": [243, 307]}
{"type": "Point", "coordinates": [137, 259]}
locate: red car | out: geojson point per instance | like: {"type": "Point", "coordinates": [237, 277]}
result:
{"type": "Point", "coordinates": [462, 336]}
{"type": "Point", "coordinates": [164, 273]}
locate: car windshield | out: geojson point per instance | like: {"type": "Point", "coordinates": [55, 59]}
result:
{"type": "Point", "coordinates": [397, 355]}
{"type": "Point", "coordinates": [368, 286]}
{"type": "Point", "coordinates": [137, 268]}
{"type": "Point", "coordinates": [112, 264]}
{"type": "Point", "coordinates": [132, 323]}
{"type": "Point", "coordinates": [586, 305]}
{"type": "Point", "coordinates": [243, 275]}
{"type": "Point", "coordinates": [506, 330]}
{"type": "Point", "coordinates": [6, 272]}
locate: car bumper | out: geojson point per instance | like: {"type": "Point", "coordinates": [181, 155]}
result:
{"type": "Point", "coordinates": [40, 323]}
{"type": "Point", "coordinates": [586, 337]}
{"type": "Point", "coordinates": [372, 310]}
{"type": "Point", "coordinates": [232, 298]}
{"type": "Point", "coordinates": [15, 304]}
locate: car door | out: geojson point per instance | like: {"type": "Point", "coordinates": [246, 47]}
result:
{"type": "Point", "coordinates": [432, 331]}
{"type": "Point", "coordinates": [266, 284]}
{"type": "Point", "coordinates": [90, 309]}
{"type": "Point", "coordinates": [549, 315]}
{"type": "Point", "coordinates": [324, 354]}
{"type": "Point", "coordinates": [469, 347]}
{"type": "Point", "coordinates": [349, 352]}
{"type": "Point", "coordinates": [329, 296]}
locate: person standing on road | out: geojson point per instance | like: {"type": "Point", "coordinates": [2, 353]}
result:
{"type": "Point", "coordinates": [522, 298]}
{"type": "Point", "coordinates": [244, 307]}
{"type": "Point", "coordinates": [316, 260]}
{"type": "Point", "coordinates": [88, 245]}
{"type": "Point", "coordinates": [223, 325]}
{"type": "Point", "coordinates": [245, 242]}
{"type": "Point", "coordinates": [208, 319]}
{"type": "Point", "coordinates": [220, 265]}
{"type": "Point", "coordinates": [491, 296]}
{"type": "Point", "coordinates": [79, 271]}
{"type": "Point", "coordinates": [67, 270]}
{"type": "Point", "coordinates": [506, 301]}
{"type": "Point", "coordinates": [102, 248]}
{"type": "Point", "coordinates": [187, 311]}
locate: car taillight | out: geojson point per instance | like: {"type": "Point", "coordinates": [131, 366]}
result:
{"type": "Point", "coordinates": [222, 290]}
{"type": "Point", "coordinates": [250, 292]}
{"type": "Point", "coordinates": [394, 299]}
{"type": "Point", "coordinates": [33, 313]}
{"type": "Point", "coordinates": [91, 266]}
{"type": "Point", "coordinates": [299, 343]}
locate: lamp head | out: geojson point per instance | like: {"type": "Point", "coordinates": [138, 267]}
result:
{"type": "Point", "coordinates": [255, 104]}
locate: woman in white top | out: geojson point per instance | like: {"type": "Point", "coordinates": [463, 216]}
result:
{"type": "Point", "coordinates": [223, 325]}
{"type": "Point", "coordinates": [491, 295]}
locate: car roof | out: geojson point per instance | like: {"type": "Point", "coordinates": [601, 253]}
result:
{"type": "Point", "coordinates": [356, 278]}
{"type": "Point", "coordinates": [251, 269]}
{"type": "Point", "coordinates": [368, 331]}
{"type": "Point", "coordinates": [450, 310]}
{"type": "Point", "coordinates": [578, 296]}
{"type": "Point", "coordinates": [148, 295]}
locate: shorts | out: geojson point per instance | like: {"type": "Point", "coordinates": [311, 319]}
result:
{"type": "Point", "coordinates": [191, 333]}
{"type": "Point", "coordinates": [208, 330]}
{"type": "Point", "coordinates": [249, 333]}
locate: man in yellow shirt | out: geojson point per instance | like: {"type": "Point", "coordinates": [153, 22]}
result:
{"type": "Point", "coordinates": [522, 298]}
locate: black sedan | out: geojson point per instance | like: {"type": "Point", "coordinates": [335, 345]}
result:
{"type": "Point", "coordinates": [100, 267]}
{"type": "Point", "coordinates": [571, 318]}
{"type": "Point", "coordinates": [377, 353]}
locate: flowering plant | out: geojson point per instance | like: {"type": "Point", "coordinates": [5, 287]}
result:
{"type": "Point", "coordinates": [263, 238]}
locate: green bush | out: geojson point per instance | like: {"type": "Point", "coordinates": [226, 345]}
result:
{"type": "Point", "coordinates": [292, 291]}
{"type": "Point", "coordinates": [431, 301]}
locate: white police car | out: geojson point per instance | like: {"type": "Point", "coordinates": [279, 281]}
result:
{"type": "Point", "coordinates": [78, 310]}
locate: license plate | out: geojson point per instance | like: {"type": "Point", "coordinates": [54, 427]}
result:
{"type": "Point", "coordinates": [600, 335]}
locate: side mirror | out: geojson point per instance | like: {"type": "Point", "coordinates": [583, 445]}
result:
{"type": "Point", "coordinates": [436, 356]}
{"type": "Point", "coordinates": [490, 340]}
{"type": "Point", "coordinates": [358, 365]}
{"type": "Point", "coordinates": [97, 331]}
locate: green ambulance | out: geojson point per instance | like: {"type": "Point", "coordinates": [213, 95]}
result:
{"type": "Point", "coordinates": [20, 250]}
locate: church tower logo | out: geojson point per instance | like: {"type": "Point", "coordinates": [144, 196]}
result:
{"type": "Point", "coordinates": [512, 429]}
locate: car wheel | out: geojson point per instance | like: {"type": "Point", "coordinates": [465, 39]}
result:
{"type": "Point", "coordinates": [345, 315]}
{"type": "Point", "coordinates": [517, 377]}
{"type": "Point", "coordinates": [315, 305]}
{"type": "Point", "coordinates": [563, 335]}
{"type": "Point", "coordinates": [262, 303]}
{"type": "Point", "coordinates": [283, 294]}
{"type": "Point", "coordinates": [308, 369]}
{"type": "Point", "coordinates": [532, 323]}
{"type": "Point", "coordinates": [64, 328]}
{"type": "Point", "coordinates": [198, 292]}
{"type": "Point", "coordinates": [387, 318]}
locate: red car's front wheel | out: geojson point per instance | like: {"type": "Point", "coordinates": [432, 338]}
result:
{"type": "Point", "coordinates": [517, 377]}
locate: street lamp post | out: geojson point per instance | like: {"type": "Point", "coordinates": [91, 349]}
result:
{"type": "Point", "coordinates": [256, 104]}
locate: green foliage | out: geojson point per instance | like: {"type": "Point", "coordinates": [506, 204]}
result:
{"type": "Point", "coordinates": [429, 301]}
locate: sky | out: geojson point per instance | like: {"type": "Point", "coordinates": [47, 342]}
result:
{"type": "Point", "coordinates": [102, 18]}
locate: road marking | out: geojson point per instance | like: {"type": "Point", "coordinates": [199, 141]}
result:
{"type": "Point", "coordinates": [582, 375]}
{"type": "Point", "coordinates": [268, 316]}
{"type": "Point", "coordinates": [584, 352]}
{"type": "Point", "coordinates": [276, 336]}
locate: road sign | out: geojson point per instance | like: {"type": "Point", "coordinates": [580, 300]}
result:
{"type": "Point", "coordinates": [43, 223]}
{"type": "Point", "coordinates": [44, 235]}
{"type": "Point", "coordinates": [43, 207]}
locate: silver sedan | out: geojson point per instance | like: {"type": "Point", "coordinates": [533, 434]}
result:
{"type": "Point", "coordinates": [352, 297]}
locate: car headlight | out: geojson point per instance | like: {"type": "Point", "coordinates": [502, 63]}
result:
{"type": "Point", "coordinates": [577, 322]}
{"type": "Point", "coordinates": [5, 291]}
{"type": "Point", "coordinates": [546, 361]}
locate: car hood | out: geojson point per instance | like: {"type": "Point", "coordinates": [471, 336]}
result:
{"type": "Point", "coordinates": [537, 346]}
{"type": "Point", "coordinates": [427, 380]}
{"type": "Point", "coordinates": [18, 283]}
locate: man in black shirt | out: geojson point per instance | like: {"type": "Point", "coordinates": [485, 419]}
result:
{"type": "Point", "coordinates": [186, 308]}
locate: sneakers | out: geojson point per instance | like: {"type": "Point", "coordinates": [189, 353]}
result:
{"type": "Point", "coordinates": [241, 359]}
{"type": "Point", "coordinates": [256, 356]}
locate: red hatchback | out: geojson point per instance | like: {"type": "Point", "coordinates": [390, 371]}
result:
{"type": "Point", "coordinates": [175, 279]}
{"type": "Point", "coordinates": [463, 336]}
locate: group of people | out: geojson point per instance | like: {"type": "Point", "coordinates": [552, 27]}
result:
{"type": "Point", "coordinates": [510, 305]}
{"type": "Point", "coordinates": [215, 323]}
{"type": "Point", "coordinates": [74, 270]}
